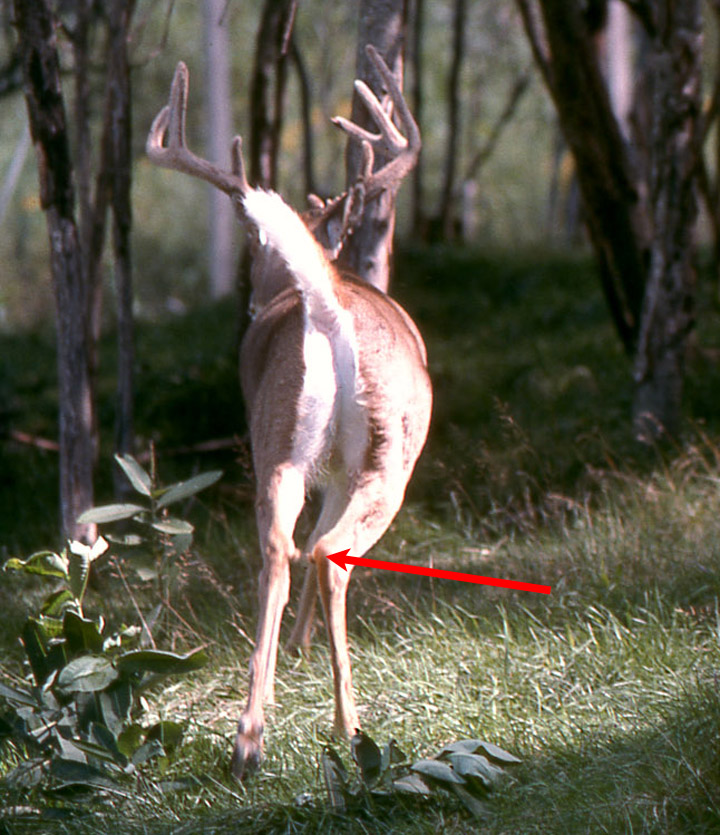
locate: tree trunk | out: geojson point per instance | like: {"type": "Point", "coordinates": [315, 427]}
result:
{"type": "Point", "coordinates": [368, 252]}
{"type": "Point", "coordinates": [418, 99]}
{"type": "Point", "coordinates": [306, 113]}
{"type": "Point", "coordinates": [218, 100]}
{"type": "Point", "coordinates": [267, 90]}
{"type": "Point", "coordinates": [448, 210]}
{"type": "Point", "coordinates": [571, 70]}
{"type": "Point", "coordinates": [118, 104]}
{"type": "Point", "coordinates": [640, 206]}
{"type": "Point", "coordinates": [48, 126]}
{"type": "Point", "coordinates": [667, 316]}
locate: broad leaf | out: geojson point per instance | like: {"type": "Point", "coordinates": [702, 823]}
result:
{"type": "Point", "coordinates": [110, 513]}
{"type": "Point", "coordinates": [90, 552]}
{"type": "Point", "coordinates": [68, 773]}
{"type": "Point", "coordinates": [102, 745]}
{"type": "Point", "coordinates": [129, 540]}
{"type": "Point", "coordinates": [412, 784]}
{"type": "Point", "coordinates": [57, 603]}
{"type": "Point", "coordinates": [335, 777]}
{"type": "Point", "coordinates": [130, 740]}
{"type": "Point", "coordinates": [79, 572]}
{"type": "Point", "coordinates": [168, 733]}
{"type": "Point", "coordinates": [87, 674]}
{"type": "Point", "coordinates": [45, 563]}
{"type": "Point", "coordinates": [367, 757]}
{"type": "Point", "coordinates": [70, 749]}
{"type": "Point", "coordinates": [50, 629]}
{"type": "Point", "coordinates": [136, 474]}
{"type": "Point", "coordinates": [115, 704]}
{"type": "Point", "coordinates": [436, 770]}
{"type": "Point", "coordinates": [173, 527]}
{"type": "Point", "coordinates": [391, 755]}
{"type": "Point", "coordinates": [185, 489]}
{"type": "Point", "coordinates": [81, 634]}
{"type": "Point", "coordinates": [477, 767]}
{"type": "Point", "coordinates": [44, 657]}
{"type": "Point", "coordinates": [160, 662]}
{"type": "Point", "coordinates": [474, 746]}
{"type": "Point", "coordinates": [496, 753]}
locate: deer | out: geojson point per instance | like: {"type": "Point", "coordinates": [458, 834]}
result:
{"type": "Point", "coordinates": [335, 381]}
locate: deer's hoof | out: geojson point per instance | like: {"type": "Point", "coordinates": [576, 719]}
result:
{"type": "Point", "coordinates": [246, 756]}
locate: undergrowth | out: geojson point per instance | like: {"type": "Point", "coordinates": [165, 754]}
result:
{"type": "Point", "coordinates": [606, 690]}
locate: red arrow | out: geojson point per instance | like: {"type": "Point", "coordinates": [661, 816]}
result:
{"type": "Point", "coordinates": [342, 558]}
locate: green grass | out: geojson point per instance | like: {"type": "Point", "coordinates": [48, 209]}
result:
{"type": "Point", "coordinates": [607, 688]}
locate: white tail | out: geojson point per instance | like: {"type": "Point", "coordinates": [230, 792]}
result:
{"type": "Point", "coordinates": [335, 382]}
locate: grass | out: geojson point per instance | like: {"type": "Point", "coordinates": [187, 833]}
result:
{"type": "Point", "coordinates": [607, 688]}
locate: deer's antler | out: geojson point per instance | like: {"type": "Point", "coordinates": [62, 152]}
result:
{"type": "Point", "coordinates": [336, 218]}
{"type": "Point", "coordinates": [390, 142]}
{"type": "Point", "coordinates": [330, 221]}
{"type": "Point", "coordinates": [166, 145]}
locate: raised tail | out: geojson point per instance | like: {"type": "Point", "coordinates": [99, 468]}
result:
{"type": "Point", "coordinates": [281, 229]}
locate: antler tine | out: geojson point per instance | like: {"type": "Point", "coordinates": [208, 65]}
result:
{"type": "Point", "coordinates": [169, 125]}
{"type": "Point", "coordinates": [403, 150]}
{"type": "Point", "coordinates": [396, 94]}
{"type": "Point", "coordinates": [238, 164]}
{"type": "Point", "coordinates": [333, 221]}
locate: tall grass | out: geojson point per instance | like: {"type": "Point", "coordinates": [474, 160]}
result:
{"type": "Point", "coordinates": [607, 688]}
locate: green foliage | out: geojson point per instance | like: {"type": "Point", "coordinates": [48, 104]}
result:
{"type": "Point", "coordinates": [469, 768]}
{"type": "Point", "coordinates": [158, 538]}
{"type": "Point", "coordinates": [75, 722]}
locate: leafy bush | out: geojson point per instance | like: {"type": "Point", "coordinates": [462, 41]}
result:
{"type": "Point", "coordinates": [75, 719]}
{"type": "Point", "coordinates": [468, 768]}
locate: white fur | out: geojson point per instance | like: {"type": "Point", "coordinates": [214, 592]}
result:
{"type": "Point", "coordinates": [330, 344]}
{"type": "Point", "coordinates": [316, 408]}
{"type": "Point", "coordinates": [282, 230]}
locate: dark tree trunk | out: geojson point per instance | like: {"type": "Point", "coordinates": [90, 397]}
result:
{"type": "Point", "coordinates": [418, 98]}
{"type": "Point", "coordinates": [610, 199]}
{"type": "Point", "coordinates": [268, 90]}
{"type": "Point", "coordinates": [448, 209]}
{"type": "Point", "coordinates": [667, 316]}
{"type": "Point", "coordinates": [306, 113]}
{"type": "Point", "coordinates": [48, 125]}
{"type": "Point", "coordinates": [118, 104]}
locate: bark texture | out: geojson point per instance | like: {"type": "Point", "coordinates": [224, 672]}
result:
{"type": "Point", "coordinates": [48, 126]}
{"type": "Point", "coordinates": [267, 90]}
{"type": "Point", "coordinates": [667, 315]}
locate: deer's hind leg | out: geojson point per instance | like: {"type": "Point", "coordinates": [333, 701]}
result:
{"type": "Point", "coordinates": [370, 499]}
{"type": "Point", "coordinates": [280, 500]}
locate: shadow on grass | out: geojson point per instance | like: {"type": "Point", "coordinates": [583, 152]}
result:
{"type": "Point", "coordinates": [663, 779]}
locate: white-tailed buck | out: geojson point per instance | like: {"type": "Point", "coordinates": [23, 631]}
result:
{"type": "Point", "coordinates": [335, 383]}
